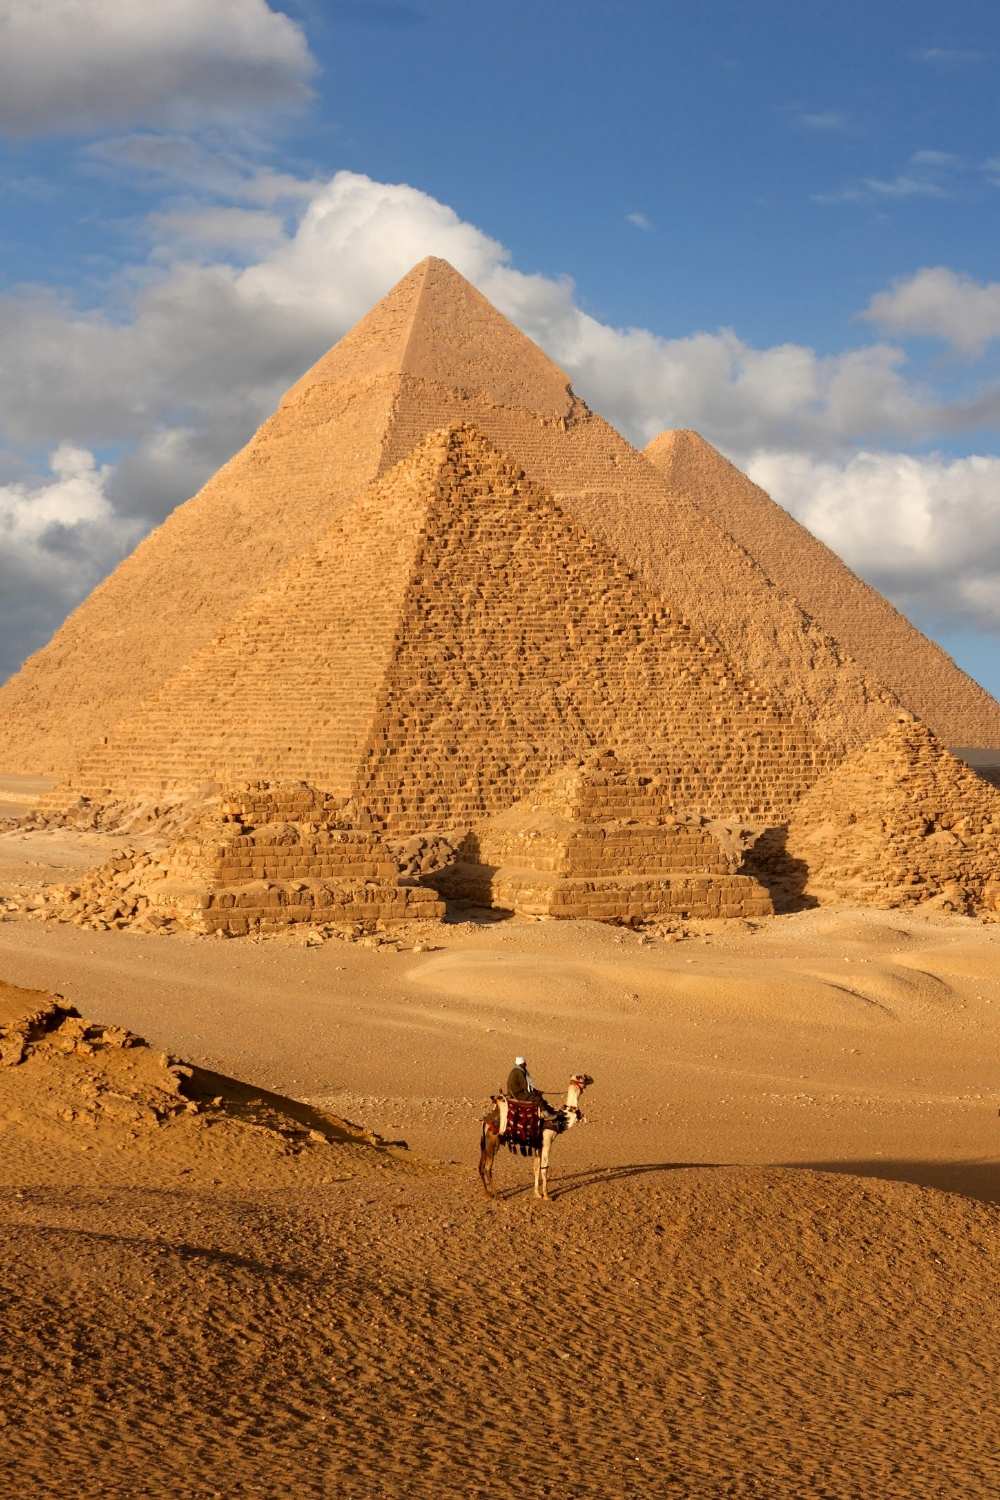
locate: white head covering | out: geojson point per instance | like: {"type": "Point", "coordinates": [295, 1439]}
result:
{"type": "Point", "coordinates": [519, 1062]}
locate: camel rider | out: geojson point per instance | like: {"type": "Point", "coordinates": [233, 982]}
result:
{"type": "Point", "coordinates": [520, 1085]}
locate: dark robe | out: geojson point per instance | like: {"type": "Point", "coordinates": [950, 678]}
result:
{"type": "Point", "coordinates": [517, 1084]}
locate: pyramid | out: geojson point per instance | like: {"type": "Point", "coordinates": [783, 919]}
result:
{"type": "Point", "coordinates": [897, 823]}
{"type": "Point", "coordinates": [431, 353]}
{"type": "Point", "coordinates": [454, 637]}
{"type": "Point", "coordinates": [597, 840]}
{"type": "Point", "coordinates": [923, 677]}
{"type": "Point", "coordinates": [264, 858]}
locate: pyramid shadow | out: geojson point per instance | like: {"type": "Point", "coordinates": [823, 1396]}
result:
{"type": "Point", "coordinates": [783, 877]}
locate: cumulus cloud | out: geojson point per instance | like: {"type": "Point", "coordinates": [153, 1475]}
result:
{"type": "Point", "coordinates": [58, 536]}
{"type": "Point", "coordinates": [924, 530]}
{"type": "Point", "coordinates": [81, 65]}
{"type": "Point", "coordinates": [241, 297]}
{"type": "Point", "coordinates": [942, 304]}
{"type": "Point", "coordinates": [210, 338]}
{"type": "Point", "coordinates": [639, 220]}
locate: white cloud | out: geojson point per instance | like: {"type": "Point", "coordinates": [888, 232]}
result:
{"type": "Point", "coordinates": [943, 159]}
{"type": "Point", "coordinates": [639, 220]}
{"type": "Point", "coordinates": [58, 537]}
{"type": "Point", "coordinates": [81, 65]}
{"type": "Point", "coordinates": [943, 304]}
{"type": "Point", "coordinates": [168, 161]}
{"type": "Point", "coordinates": [925, 530]}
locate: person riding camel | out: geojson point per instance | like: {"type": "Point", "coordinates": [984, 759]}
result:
{"type": "Point", "coordinates": [521, 1086]}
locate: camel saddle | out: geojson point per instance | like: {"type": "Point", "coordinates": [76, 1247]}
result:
{"type": "Point", "coordinates": [521, 1132]}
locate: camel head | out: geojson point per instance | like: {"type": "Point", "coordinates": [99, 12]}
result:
{"type": "Point", "coordinates": [577, 1084]}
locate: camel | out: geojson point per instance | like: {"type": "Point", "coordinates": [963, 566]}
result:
{"type": "Point", "coordinates": [563, 1120]}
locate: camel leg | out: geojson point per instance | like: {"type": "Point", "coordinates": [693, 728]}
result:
{"type": "Point", "coordinates": [542, 1167]}
{"type": "Point", "coordinates": [488, 1146]}
{"type": "Point", "coordinates": [536, 1166]}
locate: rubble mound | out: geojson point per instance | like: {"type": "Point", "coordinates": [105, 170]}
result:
{"type": "Point", "coordinates": [600, 839]}
{"type": "Point", "coordinates": [61, 1074]}
{"type": "Point", "coordinates": [263, 858]}
{"type": "Point", "coordinates": [899, 823]}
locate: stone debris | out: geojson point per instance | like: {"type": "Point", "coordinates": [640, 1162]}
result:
{"type": "Point", "coordinates": [598, 840]}
{"type": "Point", "coordinates": [264, 859]}
{"type": "Point", "coordinates": [58, 1070]}
{"type": "Point", "coordinates": [901, 822]}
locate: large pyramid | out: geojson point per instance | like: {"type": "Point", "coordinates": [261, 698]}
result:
{"type": "Point", "coordinates": [432, 352]}
{"type": "Point", "coordinates": [923, 677]}
{"type": "Point", "coordinates": [454, 636]}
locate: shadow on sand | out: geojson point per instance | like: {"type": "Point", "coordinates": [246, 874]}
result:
{"type": "Point", "coordinates": [973, 1179]}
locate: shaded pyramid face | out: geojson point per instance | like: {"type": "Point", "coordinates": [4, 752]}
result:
{"type": "Point", "coordinates": [898, 822]}
{"type": "Point", "coordinates": [432, 352]}
{"type": "Point", "coordinates": [893, 651]}
{"type": "Point", "coordinates": [454, 637]}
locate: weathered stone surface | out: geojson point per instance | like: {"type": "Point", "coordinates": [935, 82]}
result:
{"type": "Point", "coordinates": [596, 840]}
{"type": "Point", "coordinates": [889, 648]}
{"type": "Point", "coordinates": [898, 823]}
{"type": "Point", "coordinates": [266, 857]}
{"type": "Point", "coordinates": [432, 353]}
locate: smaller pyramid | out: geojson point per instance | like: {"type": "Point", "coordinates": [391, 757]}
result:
{"type": "Point", "coordinates": [898, 823]}
{"type": "Point", "coordinates": [596, 839]}
{"type": "Point", "coordinates": [265, 858]}
{"type": "Point", "coordinates": [922, 676]}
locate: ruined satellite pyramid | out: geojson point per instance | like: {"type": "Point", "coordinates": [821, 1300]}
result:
{"type": "Point", "coordinates": [899, 822]}
{"type": "Point", "coordinates": [922, 676]}
{"type": "Point", "coordinates": [597, 839]}
{"type": "Point", "coordinates": [454, 636]}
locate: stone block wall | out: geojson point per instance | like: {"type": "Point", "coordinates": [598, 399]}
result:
{"type": "Point", "coordinates": [549, 856]}
{"type": "Point", "coordinates": [453, 639]}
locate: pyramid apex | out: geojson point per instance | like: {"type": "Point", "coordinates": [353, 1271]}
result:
{"type": "Point", "coordinates": [435, 326]}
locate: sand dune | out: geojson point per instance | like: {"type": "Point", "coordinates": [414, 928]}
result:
{"type": "Point", "coordinates": [239, 1310]}
{"type": "Point", "coordinates": [655, 1331]}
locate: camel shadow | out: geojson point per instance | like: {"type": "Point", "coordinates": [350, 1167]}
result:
{"type": "Point", "coordinates": [575, 1182]}
{"type": "Point", "coordinates": [979, 1180]}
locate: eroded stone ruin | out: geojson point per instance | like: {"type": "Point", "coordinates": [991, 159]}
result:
{"type": "Point", "coordinates": [596, 840]}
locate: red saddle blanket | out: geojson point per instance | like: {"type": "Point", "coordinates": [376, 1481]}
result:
{"type": "Point", "coordinates": [524, 1127]}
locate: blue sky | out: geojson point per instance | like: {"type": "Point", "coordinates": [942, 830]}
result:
{"type": "Point", "coordinates": [772, 222]}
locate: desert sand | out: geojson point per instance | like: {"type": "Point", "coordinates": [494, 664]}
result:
{"type": "Point", "coordinates": [769, 1266]}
